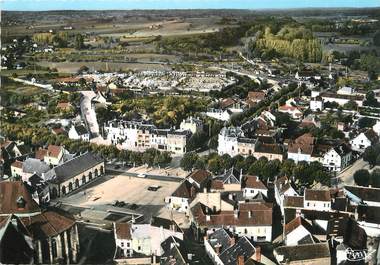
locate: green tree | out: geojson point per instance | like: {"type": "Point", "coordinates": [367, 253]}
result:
{"type": "Point", "coordinates": [375, 178]}
{"type": "Point", "coordinates": [79, 41]}
{"type": "Point", "coordinates": [200, 164]}
{"type": "Point", "coordinates": [370, 99]}
{"type": "Point", "coordinates": [214, 165]}
{"type": "Point", "coordinates": [197, 140]}
{"type": "Point", "coordinates": [362, 177]}
{"type": "Point", "coordinates": [287, 167]}
{"type": "Point", "coordinates": [366, 122]}
{"type": "Point", "coordinates": [351, 105]}
{"type": "Point", "coordinates": [376, 38]}
{"type": "Point", "coordinates": [188, 160]}
{"type": "Point", "coordinates": [149, 156]}
{"type": "Point", "coordinates": [370, 155]}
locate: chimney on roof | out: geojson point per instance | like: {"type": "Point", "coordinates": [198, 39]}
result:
{"type": "Point", "coordinates": [232, 241]}
{"type": "Point", "coordinates": [217, 248]}
{"type": "Point", "coordinates": [240, 260]}
{"type": "Point", "coordinates": [192, 192]}
{"type": "Point", "coordinates": [236, 214]}
{"type": "Point", "coordinates": [257, 254]}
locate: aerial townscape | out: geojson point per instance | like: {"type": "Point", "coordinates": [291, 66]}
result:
{"type": "Point", "coordinates": [190, 132]}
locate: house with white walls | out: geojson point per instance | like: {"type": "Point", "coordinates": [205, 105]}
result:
{"type": "Point", "coordinates": [143, 239]}
{"type": "Point", "coordinates": [79, 132]}
{"type": "Point", "coordinates": [192, 124]}
{"type": "Point", "coordinates": [282, 188]}
{"type": "Point", "coordinates": [253, 220]}
{"type": "Point", "coordinates": [319, 200]}
{"type": "Point", "coordinates": [302, 148]}
{"type": "Point", "coordinates": [298, 231]}
{"type": "Point", "coordinates": [364, 140]}
{"type": "Point", "coordinates": [252, 186]}
{"type": "Point", "coordinates": [337, 158]}
{"type": "Point", "coordinates": [316, 104]}
{"type": "Point", "coordinates": [123, 239]}
{"type": "Point", "coordinates": [186, 192]}
{"type": "Point", "coordinates": [376, 127]}
{"type": "Point", "coordinates": [219, 114]}
{"type": "Point", "coordinates": [181, 198]}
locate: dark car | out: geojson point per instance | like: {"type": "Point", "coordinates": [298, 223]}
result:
{"type": "Point", "coordinates": [153, 188]}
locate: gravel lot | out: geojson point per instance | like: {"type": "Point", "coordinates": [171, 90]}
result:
{"type": "Point", "coordinates": [131, 190]}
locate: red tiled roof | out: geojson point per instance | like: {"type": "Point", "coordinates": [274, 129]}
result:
{"type": "Point", "coordinates": [225, 218]}
{"type": "Point", "coordinates": [63, 105]}
{"type": "Point", "coordinates": [10, 192]}
{"type": "Point", "coordinates": [184, 190]}
{"type": "Point", "coordinates": [317, 195]}
{"type": "Point", "coordinates": [58, 130]}
{"type": "Point", "coordinates": [47, 224]}
{"type": "Point", "coordinates": [303, 149]}
{"type": "Point", "coordinates": [286, 107]}
{"type": "Point", "coordinates": [293, 201]}
{"type": "Point", "coordinates": [41, 153]}
{"type": "Point", "coordinates": [256, 206]}
{"type": "Point", "coordinates": [296, 222]}
{"type": "Point", "coordinates": [123, 231]}
{"type": "Point", "coordinates": [17, 164]}
{"type": "Point", "coordinates": [253, 182]}
{"type": "Point", "coordinates": [256, 95]}
{"type": "Point", "coordinates": [217, 185]}
{"type": "Point", "coordinates": [225, 103]}
{"type": "Point", "coordinates": [54, 150]}
{"type": "Point", "coordinates": [199, 175]}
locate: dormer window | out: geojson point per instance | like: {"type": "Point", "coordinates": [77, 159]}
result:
{"type": "Point", "coordinates": [21, 202]}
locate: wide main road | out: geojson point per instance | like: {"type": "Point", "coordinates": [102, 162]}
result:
{"type": "Point", "coordinates": [88, 112]}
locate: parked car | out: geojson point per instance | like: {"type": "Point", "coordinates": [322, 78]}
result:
{"type": "Point", "coordinates": [153, 188]}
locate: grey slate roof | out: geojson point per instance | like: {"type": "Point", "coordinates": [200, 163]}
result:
{"type": "Point", "coordinates": [231, 176]}
{"type": "Point", "coordinates": [32, 165]}
{"type": "Point", "coordinates": [220, 238]}
{"type": "Point", "coordinates": [242, 248]}
{"type": "Point", "coordinates": [174, 252]}
{"type": "Point", "coordinates": [81, 130]}
{"type": "Point", "coordinates": [76, 166]}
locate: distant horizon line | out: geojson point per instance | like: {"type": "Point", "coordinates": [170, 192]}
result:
{"type": "Point", "coordinates": [209, 8]}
